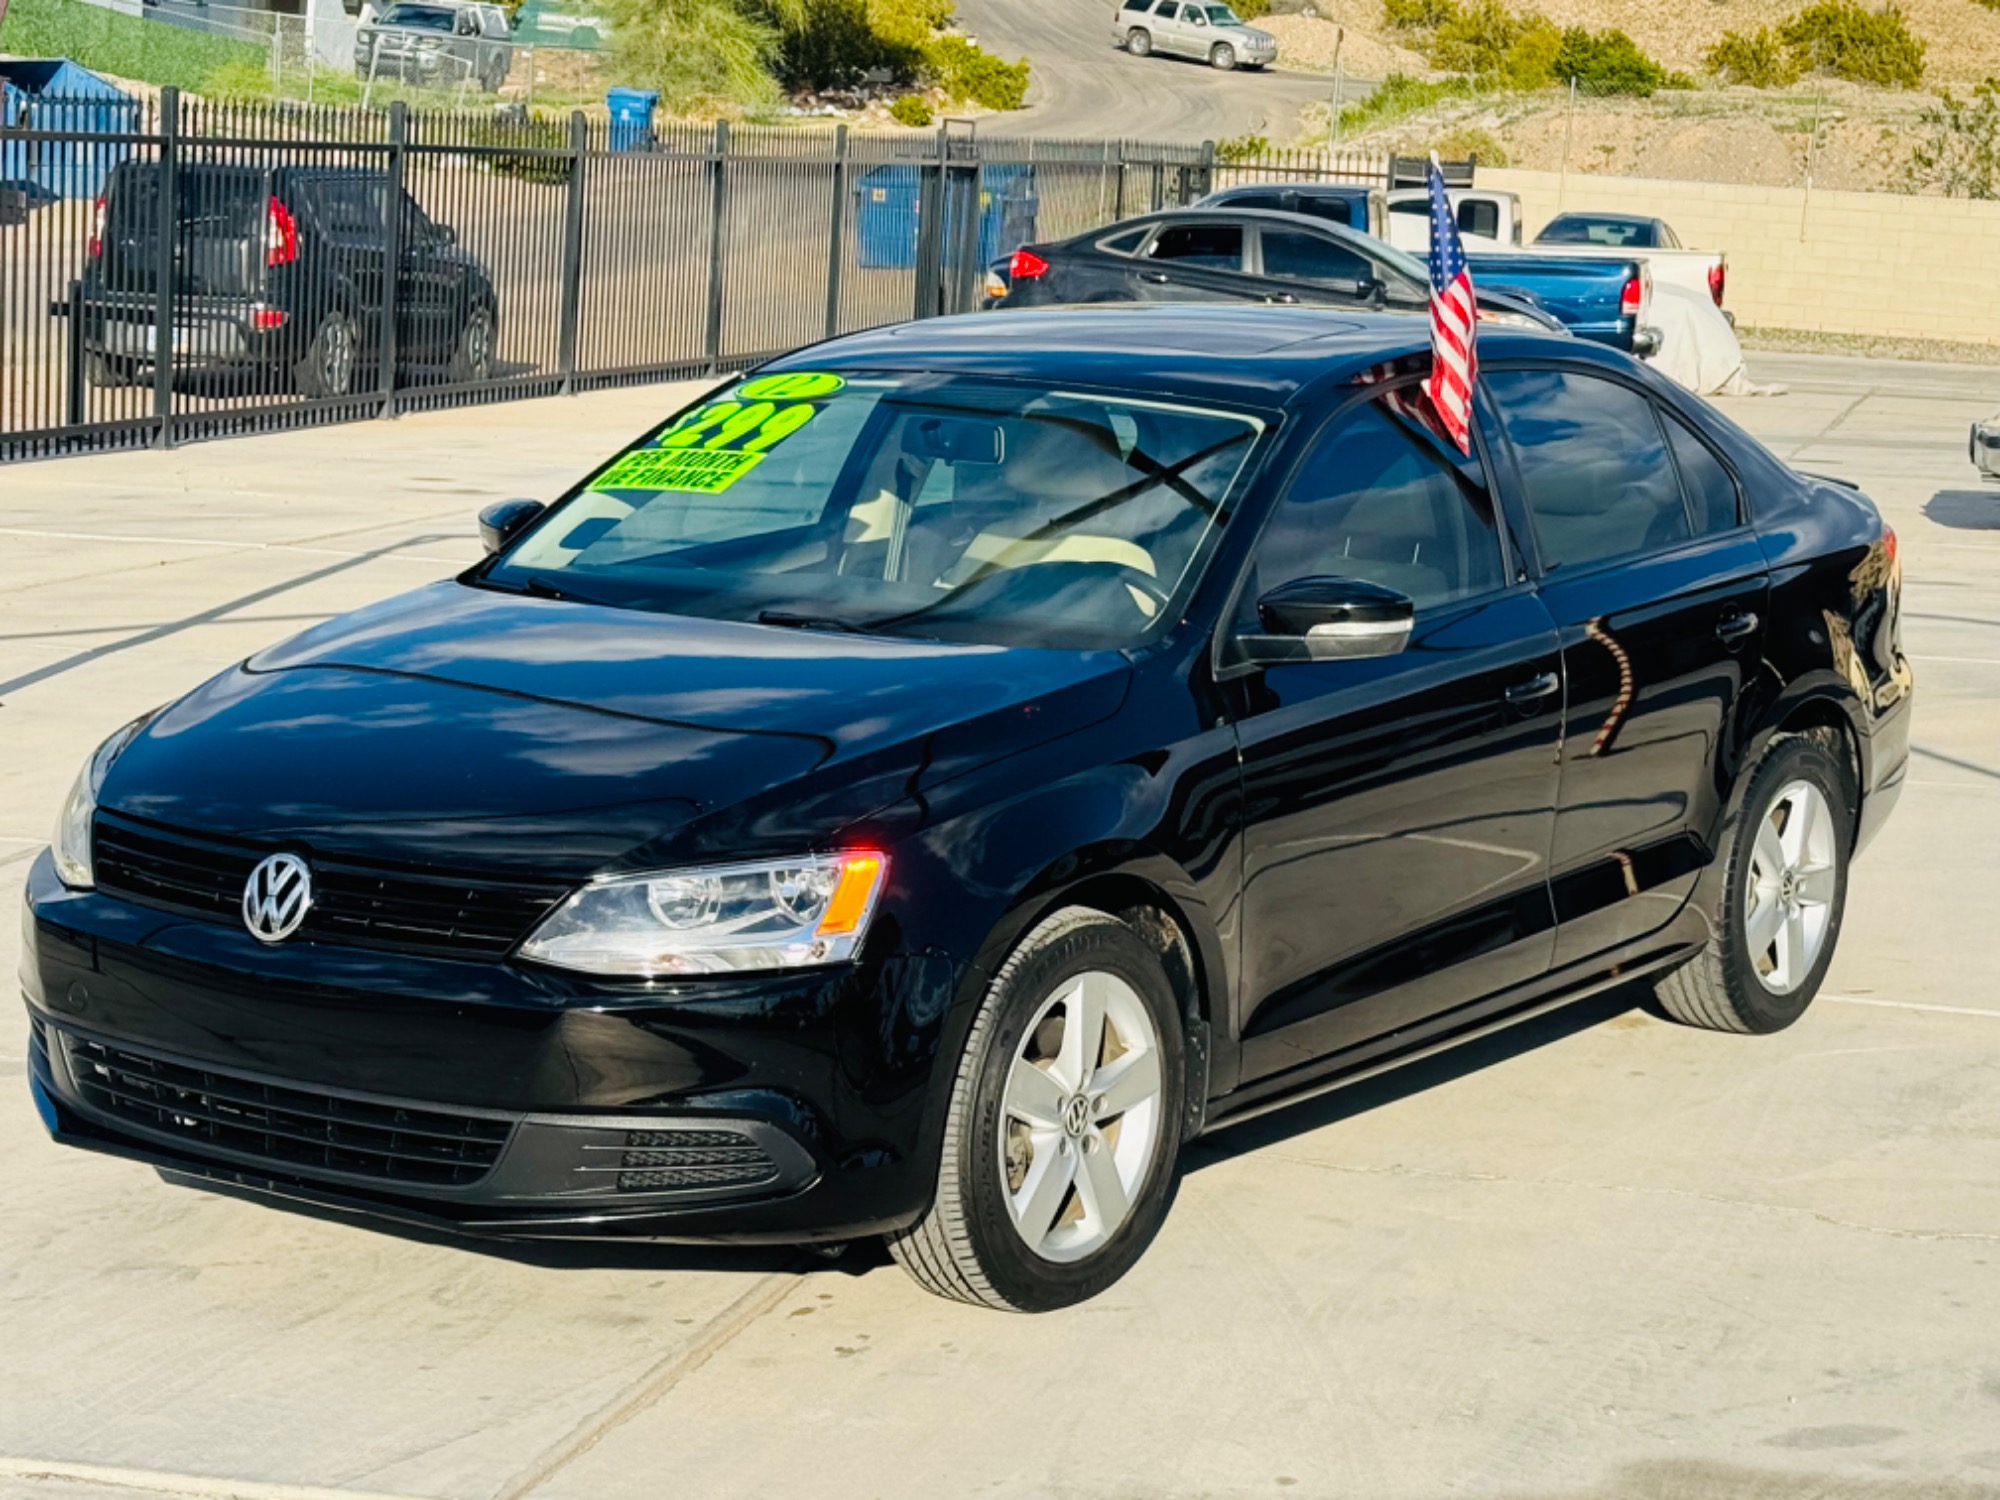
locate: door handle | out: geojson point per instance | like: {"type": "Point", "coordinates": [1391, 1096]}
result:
{"type": "Point", "coordinates": [1281, 297]}
{"type": "Point", "coordinates": [1158, 278]}
{"type": "Point", "coordinates": [1521, 694]}
{"type": "Point", "coordinates": [1736, 625]}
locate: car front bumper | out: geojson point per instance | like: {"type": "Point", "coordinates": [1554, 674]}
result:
{"type": "Point", "coordinates": [480, 1098]}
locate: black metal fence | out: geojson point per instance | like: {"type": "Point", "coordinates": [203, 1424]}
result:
{"type": "Point", "coordinates": [235, 280]}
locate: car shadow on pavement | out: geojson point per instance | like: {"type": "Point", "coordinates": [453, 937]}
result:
{"type": "Point", "coordinates": [1416, 1077]}
{"type": "Point", "coordinates": [1965, 510]}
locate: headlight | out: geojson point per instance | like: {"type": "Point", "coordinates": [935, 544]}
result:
{"type": "Point", "coordinates": [1512, 320]}
{"type": "Point", "coordinates": [71, 844]}
{"type": "Point", "coordinates": [724, 919]}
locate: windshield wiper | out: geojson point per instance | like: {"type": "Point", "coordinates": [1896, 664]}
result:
{"type": "Point", "coordinates": [811, 622]}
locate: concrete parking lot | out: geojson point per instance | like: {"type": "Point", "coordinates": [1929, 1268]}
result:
{"type": "Point", "coordinates": [1602, 1256]}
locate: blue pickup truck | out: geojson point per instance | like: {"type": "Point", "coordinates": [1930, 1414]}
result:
{"type": "Point", "coordinates": [1603, 300]}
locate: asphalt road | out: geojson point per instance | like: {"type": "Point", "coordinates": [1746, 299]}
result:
{"type": "Point", "coordinates": [1081, 86]}
{"type": "Point", "coordinates": [1602, 1257]}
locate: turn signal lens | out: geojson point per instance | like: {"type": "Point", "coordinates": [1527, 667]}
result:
{"type": "Point", "coordinates": [281, 235]}
{"type": "Point", "coordinates": [854, 897]}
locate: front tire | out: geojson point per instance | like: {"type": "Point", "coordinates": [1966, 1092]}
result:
{"type": "Point", "coordinates": [1777, 920]}
{"type": "Point", "coordinates": [1139, 41]}
{"type": "Point", "coordinates": [1222, 57]}
{"type": "Point", "coordinates": [1064, 1124]}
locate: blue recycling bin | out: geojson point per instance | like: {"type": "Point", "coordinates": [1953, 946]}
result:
{"type": "Point", "coordinates": [889, 208]}
{"type": "Point", "coordinates": [632, 118]}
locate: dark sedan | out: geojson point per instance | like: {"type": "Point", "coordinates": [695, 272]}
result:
{"type": "Point", "coordinates": [1229, 254]}
{"type": "Point", "coordinates": [916, 790]}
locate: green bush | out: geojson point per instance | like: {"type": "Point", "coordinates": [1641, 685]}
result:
{"type": "Point", "coordinates": [1757, 58]}
{"type": "Point", "coordinates": [131, 47]}
{"type": "Point", "coordinates": [966, 72]}
{"type": "Point", "coordinates": [1851, 42]}
{"type": "Point", "coordinates": [1606, 62]}
{"type": "Point", "coordinates": [1469, 140]}
{"type": "Point", "coordinates": [1474, 39]}
{"type": "Point", "coordinates": [700, 54]}
{"type": "Point", "coordinates": [1242, 148]}
{"type": "Point", "coordinates": [1399, 95]}
{"type": "Point", "coordinates": [911, 109]}
{"type": "Point", "coordinates": [1251, 10]}
{"type": "Point", "coordinates": [1418, 15]}
{"type": "Point", "coordinates": [1961, 156]}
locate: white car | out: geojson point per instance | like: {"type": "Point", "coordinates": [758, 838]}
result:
{"type": "Point", "coordinates": [1192, 28]}
{"type": "Point", "coordinates": [1985, 447]}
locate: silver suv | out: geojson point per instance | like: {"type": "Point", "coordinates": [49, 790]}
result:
{"type": "Point", "coordinates": [1192, 28]}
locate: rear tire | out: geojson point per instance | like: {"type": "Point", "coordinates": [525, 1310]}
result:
{"type": "Point", "coordinates": [1222, 57]}
{"type": "Point", "coordinates": [1777, 919]}
{"type": "Point", "coordinates": [330, 359]}
{"type": "Point", "coordinates": [1139, 41]}
{"type": "Point", "coordinates": [1059, 1152]}
{"type": "Point", "coordinates": [472, 360]}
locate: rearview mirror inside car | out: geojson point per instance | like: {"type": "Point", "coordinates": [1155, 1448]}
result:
{"type": "Point", "coordinates": [958, 440]}
{"type": "Point", "coordinates": [504, 520]}
{"type": "Point", "coordinates": [1329, 619]}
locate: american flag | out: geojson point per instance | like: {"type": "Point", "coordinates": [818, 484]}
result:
{"type": "Point", "coordinates": [1454, 315]}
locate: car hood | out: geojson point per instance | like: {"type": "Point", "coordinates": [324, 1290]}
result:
{"type": "Point", "coordinates": [457, 723]}
{"type": "Point", "coordinates": [1246, 34]}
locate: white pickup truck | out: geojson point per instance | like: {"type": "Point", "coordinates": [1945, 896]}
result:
{"type": "Point", "coordinates": [1491, 220]}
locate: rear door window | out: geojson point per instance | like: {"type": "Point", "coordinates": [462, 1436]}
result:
{"type": "Point", "coordinates": [1479, 216]}
{"type": "Point", "coordinates": [1593, 464]}
{"type": "Point", "coordinates": [1333, 210]}
{"type": "Point", "coordinates": [1311, 257]}
{"type": "Point", "coordinates": [1217, 246]}
{"type": "Point", "coordinates": [1124, 244]}
{"type": "Point", "coordinates": [1713, 501]}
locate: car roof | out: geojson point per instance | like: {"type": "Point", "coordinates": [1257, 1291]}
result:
{"type": "Point", "coordinates": [1241, 355]}
{"type": "Point", "coordinates": [1212, 210]}
{"type": "Point", "coordinates": [1303, 189]}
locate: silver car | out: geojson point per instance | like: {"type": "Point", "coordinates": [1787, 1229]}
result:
{"type": "Point", "coordinates": [1192, 28]}
{"type": "Point", "coordinates": [1985, 447]}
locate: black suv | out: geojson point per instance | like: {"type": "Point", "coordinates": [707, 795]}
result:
{"type": "Point", "coordinates": [279, 270]}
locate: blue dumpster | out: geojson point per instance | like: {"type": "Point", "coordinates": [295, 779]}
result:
{"type": "Point", "coordinates": [632, 118]}
{"type": "Point", "coordinates": [888, 209]}
{"type": "Point", "coordinates": [54, 93]}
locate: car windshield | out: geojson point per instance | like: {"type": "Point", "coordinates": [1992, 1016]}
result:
{"type": "Point", "coordinates": [903, 504]}
{"type": "Point", "coordinates": [1221, 15]}
{"type": "Point", "coordinates": [421, 17]}
{"type": "Point", "coordinates": [1567, 231]}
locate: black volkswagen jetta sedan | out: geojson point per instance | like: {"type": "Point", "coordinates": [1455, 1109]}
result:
{"type": "Point", "coordinates": [920, 787]}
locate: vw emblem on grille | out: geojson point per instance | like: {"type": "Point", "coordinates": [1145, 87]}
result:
{"type": "Point", "coordinates": [277, 897]}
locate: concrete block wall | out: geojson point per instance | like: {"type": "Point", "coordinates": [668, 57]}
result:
{"type": "Point", "coordinates": [1831, 262]}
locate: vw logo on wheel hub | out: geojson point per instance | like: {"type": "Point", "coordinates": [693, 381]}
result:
{"type": "Point", "coordinates": [277, 897]}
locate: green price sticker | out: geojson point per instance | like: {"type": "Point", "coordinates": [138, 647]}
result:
{"type": "Point", "coordinates": [697, 471]}
{"type": "Point", "coordinates": [713, 446]}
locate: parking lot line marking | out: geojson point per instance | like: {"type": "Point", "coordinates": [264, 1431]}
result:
{"type": "Point", "coordinates": [1947, 1010]}
{"type": "Point", "coordinates": [154, 1482]}
{"type": "Point", "coordinates": [1963, 661]}
{"type": "Point", "coordinates": [188, 541]}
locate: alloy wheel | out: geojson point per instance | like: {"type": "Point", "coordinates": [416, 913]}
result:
{"type": "Point", "coordinates": [1788, 905]}
{"type": "Point", "coordinates": [336, 357]}
{"type": "Point", "coordinates": [1080, 1116]}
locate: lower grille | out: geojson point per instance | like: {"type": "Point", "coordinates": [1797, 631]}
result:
{"type": "Point", "coordinates": [285, 1124]}
{"type": "Point", "coordinates": [655, 1159]}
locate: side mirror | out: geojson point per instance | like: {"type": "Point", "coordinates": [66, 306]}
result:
{"type": "Point", "coordinates": [1329, 619]}
{"type": "Point", "coordinates": [443, 234]}
{"type": "Point", "coordinates": [504, 520]}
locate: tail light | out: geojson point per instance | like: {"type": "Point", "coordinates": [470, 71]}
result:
{"type": "Point", "coordinates": [1717, 275]}
{"type": "Point", "coordinates": [96, 246]}
{"type": "Point", "coordinates": [1633, 299]}
{"type": "Point", "coordinates": [265, 318]}
{"type": "Point", "coordinates": [1026, 266]}
{"type": "Point", "coordinates": [281, 235]}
